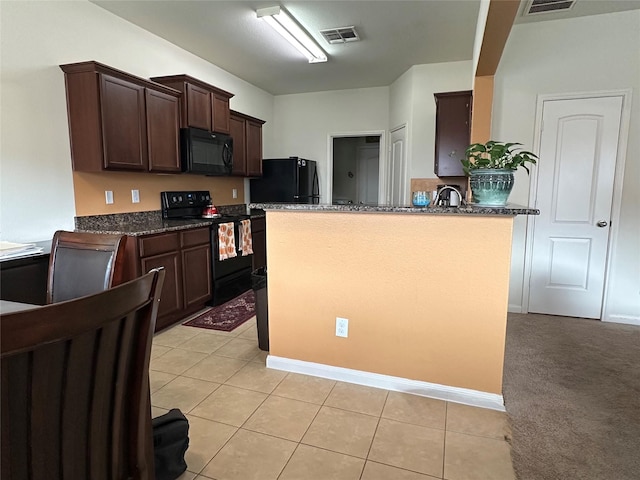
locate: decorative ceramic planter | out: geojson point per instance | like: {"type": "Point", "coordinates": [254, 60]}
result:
{"type": "Point", "coordinates": [491, 187]}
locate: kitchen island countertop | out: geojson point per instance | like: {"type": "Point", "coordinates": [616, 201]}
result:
{"type": "Point", "coordinates": [470, 209]}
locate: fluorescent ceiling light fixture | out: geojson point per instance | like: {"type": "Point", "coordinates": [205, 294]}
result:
{"type": "Point", "coordinates": [289, 29]}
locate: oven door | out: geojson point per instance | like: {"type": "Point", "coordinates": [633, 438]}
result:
{"type": "Point", "coordinates": [231, 277]}
{"type": "Point", "coordinates": [230, 266]}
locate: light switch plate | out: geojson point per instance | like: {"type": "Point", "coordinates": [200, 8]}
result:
{"type": "Point", "coordinates": [135, 196]}
{"type": "Point", "coordinates": [108, 197]}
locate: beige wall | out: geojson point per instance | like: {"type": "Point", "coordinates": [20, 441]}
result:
{"type": "Point", "coordinates": [89, 190]}
{"type": "Point", "coordinates": [425, 295]}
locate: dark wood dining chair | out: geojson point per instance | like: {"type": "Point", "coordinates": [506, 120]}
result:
{"type": "Point", "coordinates": [75, 386]}
{"type": "Point", "coordinates": [84, 263]}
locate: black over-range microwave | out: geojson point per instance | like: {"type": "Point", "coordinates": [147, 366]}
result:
{"type": "Point", "coordinates": [206, 153]}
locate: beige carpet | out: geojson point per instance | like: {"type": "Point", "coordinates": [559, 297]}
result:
{"type": "Point", "coordinates": [572, 393]}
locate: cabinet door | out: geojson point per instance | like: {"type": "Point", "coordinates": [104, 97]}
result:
{"type": "Point", "coordinates": [220, 109]}
{"type": "Point", "coordinates": [237, 131]}
{"type": "Point", "coordinates": [453, 132]}
{"type": "Point", "coordinates": [198, 107]}
{"type": "Point", "coordinates": [124, 135]}
{"type": "Point", "coordinates": [171, 296]}
{"type": "Point", "coordinates": [163, 126]}
{"type": "Point", "coordinates": [254, 148]}
{"type": "Point", "coordinates": [196, 274]}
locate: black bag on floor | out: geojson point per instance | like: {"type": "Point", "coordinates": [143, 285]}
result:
{"type": "Point", "coordinates": [170, 443]}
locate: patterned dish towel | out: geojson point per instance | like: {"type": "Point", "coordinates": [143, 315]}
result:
{"type": "Point", "coordinates": [246, 243]}
{"type": "Point", "coordinates": [226, 241]}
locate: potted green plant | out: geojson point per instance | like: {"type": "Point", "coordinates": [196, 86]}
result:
{"type": "Point", "coordinates": [490, 168]}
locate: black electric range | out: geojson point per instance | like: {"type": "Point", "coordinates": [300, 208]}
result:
{"type": "Point", "coordinates": [230, 277]}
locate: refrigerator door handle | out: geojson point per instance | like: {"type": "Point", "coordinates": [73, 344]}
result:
{"type": "Point", "coordinates": [316, 186]}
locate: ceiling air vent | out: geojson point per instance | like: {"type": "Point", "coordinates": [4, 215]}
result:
{"type": "Point", "coordinates": [546, 6]}
{"type": "Point", "coordinates": [340, 35]}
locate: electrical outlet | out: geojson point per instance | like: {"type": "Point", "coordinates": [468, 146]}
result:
{"type": "Point", "coordinates": [234, 193]}
{"type": "Point", "coordinates": [342, 327]}
{"type": "Point", "coordinates": [108, 197]}
{"type": "Point", "coordinates": [135, 196]}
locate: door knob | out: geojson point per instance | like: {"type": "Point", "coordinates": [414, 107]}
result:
{"type": "Point", "coordinates": [602, 223]}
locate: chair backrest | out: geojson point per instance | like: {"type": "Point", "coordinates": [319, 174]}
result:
{"type": "Point", "coordinates": [84, 263]}
{"type": "Point", "coordinates": [75, 386]}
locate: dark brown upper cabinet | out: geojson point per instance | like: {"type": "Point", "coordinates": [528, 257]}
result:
{"type": "Point", "coordinates": [246, 132]}
{"type": "Point", "coordinates": [238, 132]}
{"type": "Point", "coordinates": [163, 121]}
{"type": "Point", "coordinates": [202, 105]}
{"type": "Point", "coordinates": [120, 122]}
{"type": "Point", "coordinates": [453, 132]}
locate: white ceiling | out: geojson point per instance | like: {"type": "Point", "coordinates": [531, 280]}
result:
{"type": "Point", "coordinates": [394, 36]}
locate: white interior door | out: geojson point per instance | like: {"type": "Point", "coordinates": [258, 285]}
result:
{"type": "Point", "coordinates": [578, 150]}
{"type": "Point", "coordinates": [398, 167]}
{"type": "Point", "coordinates": [367, 174]}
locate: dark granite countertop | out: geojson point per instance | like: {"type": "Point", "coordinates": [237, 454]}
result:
{"type": "Point", "coordinates": [471, 209]}
{"type": "Point", "coordinates": [136, 224]}
{"type": "Point", "coordinates": [149, 228]}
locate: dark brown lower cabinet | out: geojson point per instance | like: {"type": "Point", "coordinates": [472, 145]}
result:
{"type": "Point", "coordinates": [171, 297]}
{"type": "Point", "coordinates": [196, 267]}
{"type": "Point", "coordinates": [186, 257]}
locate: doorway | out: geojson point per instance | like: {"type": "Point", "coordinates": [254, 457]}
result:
{"type": "Point", "coordinates": [568, 243]}
{"type": "Point", "coordinates": [356, 170]}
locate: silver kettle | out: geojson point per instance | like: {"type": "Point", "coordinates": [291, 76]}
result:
{"type": "Point", "coordinates": [448, 196]}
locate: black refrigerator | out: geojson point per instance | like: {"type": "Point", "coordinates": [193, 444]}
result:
{"type": "Point", "coordinates": [286, 180]}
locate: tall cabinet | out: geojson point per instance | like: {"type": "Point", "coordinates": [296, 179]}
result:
{"type": "Point", "coordinates": [453, 132]}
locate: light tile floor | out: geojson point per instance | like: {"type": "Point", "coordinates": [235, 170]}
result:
{"type": "Point", "coordinates": [248, 422]}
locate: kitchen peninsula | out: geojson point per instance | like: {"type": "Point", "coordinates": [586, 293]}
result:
{"type": "Point", "coordinates": [425, 292]}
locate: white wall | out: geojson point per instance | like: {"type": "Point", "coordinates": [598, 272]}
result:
{"type": "Point", "coordinates": [36, 191]}
{"type": "Point", "coordinates": [306, 121]}
{"type": "Point", "coordinates": [412, 102]}
{"type": "Point", "coordinates": [401, 100]}
{"type": "Point", "coordinates": [585, 54]}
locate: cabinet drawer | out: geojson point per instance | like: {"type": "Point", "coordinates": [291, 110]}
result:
{"type": "Point", "coordinates": [197, 236]}
{"type": "Point", "coordinates": [156, 244]}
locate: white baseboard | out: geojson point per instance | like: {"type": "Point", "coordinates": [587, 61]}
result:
{"type": "Point", "coordinates": [466, 396]}
{"type": "Point", "coordinates": [513, 308]}
{"type": "Point", "coordinates": [628, 319]}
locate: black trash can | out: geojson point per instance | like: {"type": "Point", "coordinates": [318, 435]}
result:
{"type": "Point", "coordinates": [259, 283]}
